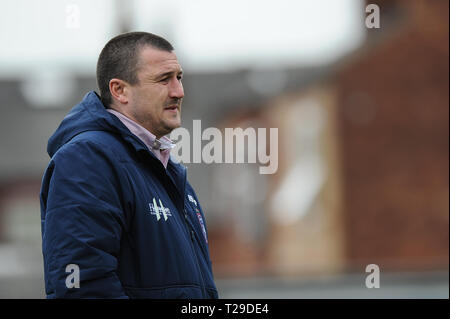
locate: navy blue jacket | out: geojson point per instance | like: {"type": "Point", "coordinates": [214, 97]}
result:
{"type": "Point", "coordinates": [133, 228]}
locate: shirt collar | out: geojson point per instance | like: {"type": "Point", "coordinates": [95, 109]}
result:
{"type": "Point", "coordinates": [160, 148]}
{"type": "Point", "coordinates": [145, 135]}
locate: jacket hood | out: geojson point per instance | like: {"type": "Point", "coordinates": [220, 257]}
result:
{"type": "Point", "coordinates": [88, 115]}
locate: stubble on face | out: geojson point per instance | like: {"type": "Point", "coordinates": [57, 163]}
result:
{"type": "Point", "coordinates": [156, 100]}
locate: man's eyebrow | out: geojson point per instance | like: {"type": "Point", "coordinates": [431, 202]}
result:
{"type": "Point", "coordinates": [169, 74]}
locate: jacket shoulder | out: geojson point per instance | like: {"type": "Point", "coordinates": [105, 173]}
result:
{"type": "Point", "coordinates": [101, 138]}
{"type": "Point", "coordinates": [100, 142]}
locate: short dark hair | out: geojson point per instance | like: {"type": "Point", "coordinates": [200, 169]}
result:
{"type": "Point", "coordinates": [120, 59]}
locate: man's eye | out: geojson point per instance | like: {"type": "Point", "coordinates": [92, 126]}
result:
{"type": "Point", "coordinates": [179, 78]}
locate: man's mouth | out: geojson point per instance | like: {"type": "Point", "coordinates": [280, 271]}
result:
{"type": "Point", "coordinates": [172, 108]}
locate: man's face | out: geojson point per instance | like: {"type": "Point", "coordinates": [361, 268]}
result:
{"type": "Point", "coordinates": [155, 102]}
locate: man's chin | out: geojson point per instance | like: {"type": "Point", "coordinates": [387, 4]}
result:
{"type": "Point", "coordinates": [173, 125]}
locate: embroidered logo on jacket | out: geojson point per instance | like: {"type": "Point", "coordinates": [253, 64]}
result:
{"type": "Point", "coordinates": [202, 225]}
{"type": "Point", "coordinates": [192, 200]}
{"type": "Point", "coordinates": [199, 216]}
{"type": "Point", "coordinates": [160, 210]}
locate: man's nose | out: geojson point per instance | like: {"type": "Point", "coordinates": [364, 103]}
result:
{"type": "Point", "coordinates": [176, 89]}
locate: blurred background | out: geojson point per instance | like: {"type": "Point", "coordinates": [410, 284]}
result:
{"type": "Point", "coordinates": [363, 127]}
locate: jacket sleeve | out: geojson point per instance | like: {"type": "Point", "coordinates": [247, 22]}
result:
{"type": "Point", "coordinates": [82, 222]}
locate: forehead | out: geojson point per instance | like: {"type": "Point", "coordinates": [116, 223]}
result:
{"type": "Point", "coordinates": [154, 61]}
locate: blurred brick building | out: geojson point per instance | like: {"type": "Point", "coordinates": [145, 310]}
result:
{"type": "Point", "coordinates": [394, 131]}
{"type": "Point", "coordinates": [382, 192]}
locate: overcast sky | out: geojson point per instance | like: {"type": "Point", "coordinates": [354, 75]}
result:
{"type": "Point", "coordinates": [65, 35]}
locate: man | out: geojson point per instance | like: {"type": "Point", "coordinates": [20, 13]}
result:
{"type": "Point", "coordinates": [119, 219]}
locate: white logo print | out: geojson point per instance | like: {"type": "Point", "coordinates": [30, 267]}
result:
{"type": "Point", "coordinates": [191, 199]}
{"type": "Point", "coordinates": [159, 210]}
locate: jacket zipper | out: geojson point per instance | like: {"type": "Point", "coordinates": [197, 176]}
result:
{"type": "Point", "coordinates": [189, 228]}
{"type": "Point", "coordinates": [192, 235]}
{"type": "Point", "coordinates": [190, 231]}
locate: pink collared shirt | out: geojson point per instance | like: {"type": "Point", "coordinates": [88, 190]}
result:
{"type": "Point", "coordinates": [161, 148]}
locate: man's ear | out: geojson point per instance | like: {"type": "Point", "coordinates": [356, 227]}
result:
{"type": "Point", "coordinates": [119, 92]}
